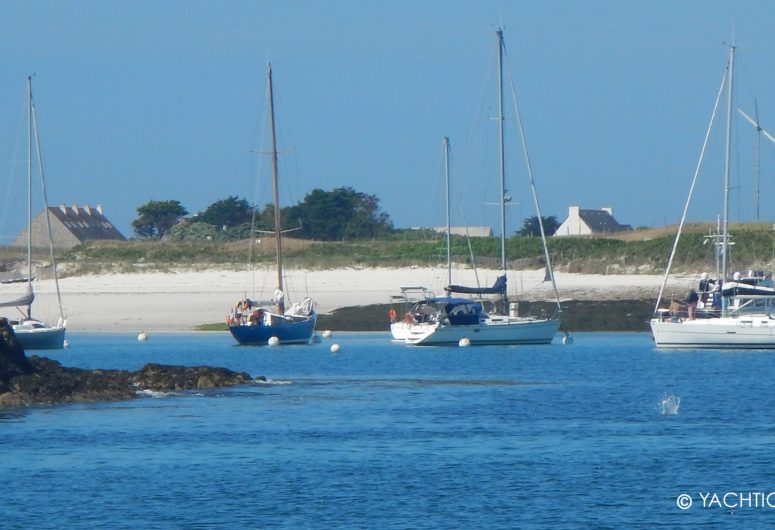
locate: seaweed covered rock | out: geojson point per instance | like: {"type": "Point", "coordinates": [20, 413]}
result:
{"type": "Point", "coordinates": [13, 361]}
{"type": "Point", "coordinates": [41, 381]}
{"type": "Point", "coordinates": [50, 382]}
{"type": "Point", "coordinates": [170, 378]}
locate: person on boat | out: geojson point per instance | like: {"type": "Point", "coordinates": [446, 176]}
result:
{"type": "Point", "coordinates": [256, 317]}
{"type": "Point", "coordinates": [691, 302]}
{"type": "Point", "coordinates": [706, 287]}
{"type": "Point", "coordinates": [675, 308]}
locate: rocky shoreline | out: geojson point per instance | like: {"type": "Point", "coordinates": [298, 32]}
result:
{"type": "Point", "coordinates": [41, 381]}
{"type": "Point", "coordinates": [577, 315]}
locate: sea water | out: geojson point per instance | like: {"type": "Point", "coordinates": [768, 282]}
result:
{"type": "Point", "coordinates": [382, 435]}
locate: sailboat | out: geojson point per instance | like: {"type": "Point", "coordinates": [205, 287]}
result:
{"type": "Point", "coordinates": [451, 319]}
{"type": "Point", "coordinates": [416, 302]}
{"type": "Point", "coordinates": [269, 322]}
{"type": "Point", "coordinates": [735, 311]}
{"type": "Point", "coordinates": [35, 334]}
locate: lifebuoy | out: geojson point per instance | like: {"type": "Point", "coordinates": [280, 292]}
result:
{"type": "Point", "coordinates": [392, 314]}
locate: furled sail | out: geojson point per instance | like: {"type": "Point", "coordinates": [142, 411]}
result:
{"type": "Point", "coordinates": [499, 287]}
{"type": "Point", "coordinates": [20, 300]}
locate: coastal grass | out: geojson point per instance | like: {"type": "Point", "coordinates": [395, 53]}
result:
{"type": "Point", "coordinates": [635, 252]}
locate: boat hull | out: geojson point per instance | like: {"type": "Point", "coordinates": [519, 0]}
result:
{"type": "Point", "coordinates": [743, 332]}
{"type": "Point", "coordinates": [400, 330]}
{"type": "Point", "coordinates": [290, 332]}
{"type": "Point", "coordinates": [44, 338]}
{"type": "Point", "coordinates": [511, 331]}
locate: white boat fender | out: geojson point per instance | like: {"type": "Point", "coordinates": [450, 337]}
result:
{"type": "Point", "coordinates": [464, 342]}
{"type": "Point", "coordinates": [142, 336]}
{"type": "Point", "coordinates": [273, 341]}
{"type": "Point", "coordinates": [567, 339]}
{"type": "Point", "coordinates": [327, 333]}
{"type": "Point", "coordinates": [334, 348]}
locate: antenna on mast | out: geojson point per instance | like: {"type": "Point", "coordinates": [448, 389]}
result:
{"type": "Point", "coordinates": [759, 131]}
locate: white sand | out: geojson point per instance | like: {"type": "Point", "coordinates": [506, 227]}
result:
{"type": "Point", "coordinates": [178, 301]}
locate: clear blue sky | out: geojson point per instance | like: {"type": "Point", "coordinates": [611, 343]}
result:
{"type": "Point", "coordinates": [156, 100]}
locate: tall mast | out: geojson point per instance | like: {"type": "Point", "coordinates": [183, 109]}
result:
{"type": "Point", "coordinates": [758, 155]}
{"type": "Point", "coordinates": [725, 220]}
{"type": "Point", "coordinates": [449, 228]}
{"type": "Point", "coordinates": [275, 187]}
{"type": "Point", "coordinates": [502, 154]}
{"type": "Point", "coordinates": [29, 190]}
{"type": "Point", "coordinates": [502, 149]}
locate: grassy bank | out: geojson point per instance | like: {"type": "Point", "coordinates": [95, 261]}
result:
{"type": "Point", "coordinates": [637, 252]}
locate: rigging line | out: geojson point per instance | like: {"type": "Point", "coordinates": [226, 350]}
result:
{"type": "Point", "coordinates": [13, 168]}
{"type": "Point", "coordinates": [477, 134]}
{"type": "Point", "coordinates": [691, 190]}
{"type": "Point", "coordinates": [532, 182]}
{"type": "Point", "coordinates": [468, 240]}
{"type": "Point", "coordinates": [45, 203]}
{"type": "Point", "coordinates": [257, 169]}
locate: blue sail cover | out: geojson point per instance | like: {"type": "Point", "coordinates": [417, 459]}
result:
{"type": "Point", "coordinates": [499, 287]}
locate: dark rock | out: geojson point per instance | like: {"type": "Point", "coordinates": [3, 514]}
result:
{"type": "Point", "coordinates": [170, 378]}
{"type": "Point", "coordinates": [42, 381]}
{"type": "Point", "coordinates": [578, 315]}
{"type": "Point", "coordinates": [13, 362]}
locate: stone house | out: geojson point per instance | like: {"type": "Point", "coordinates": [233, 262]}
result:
{"type": "Point", "coordinates": [70, 226]}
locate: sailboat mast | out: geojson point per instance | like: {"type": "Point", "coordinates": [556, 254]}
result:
{"type": "Point", "coordinates": [276, 191]}
{"type": "Point", "coordinates": [725, 220]}
{"type": "Point", "coordinates": [758, 155]}
{"type": "Point", "coordinates": [449, 227]}
{"type": "Point", "coordinates": [29, 190]}
{"type": "Point", "coordinates": [502, 148]}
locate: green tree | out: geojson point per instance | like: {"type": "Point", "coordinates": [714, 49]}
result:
{"type": "Point", "coordinates": [340, 214]}
{"type": "Point", "coordinates": [228, 212]}
{"type": "Point", "coordinates": [157, 217]}
{"type": "Point", "coordinates": [530, 226]}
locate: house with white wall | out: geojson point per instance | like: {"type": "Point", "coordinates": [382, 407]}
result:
{"type": "Point", "coordinates": [586, 222]}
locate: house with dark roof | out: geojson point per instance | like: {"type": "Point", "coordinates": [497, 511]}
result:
{"type": "Point", "coordinates": [584, 222]}
{"type": "Point", "coordinates": [70, 226]}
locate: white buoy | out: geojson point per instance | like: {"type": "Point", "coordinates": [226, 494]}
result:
{"type": "Point", "coordinates": [142, 336]}
{"type": "Point", "coordinates": [66, 344]}
{"type": "Point", "coordinates": [464, 342]}
{"type": "Point", "coordinates": [273, 341]}
{"type": "Point", "coordinates": [327, 333]}
{"type": "Point", "coordinates": [334, 348]}
{"type": "Point", "coordinates": [567, 339]}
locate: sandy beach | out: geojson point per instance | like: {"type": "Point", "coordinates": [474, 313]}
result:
{"type": "Point", "coordinates": [180, 300]}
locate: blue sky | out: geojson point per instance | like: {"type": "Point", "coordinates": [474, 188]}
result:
{"type": "Point", "coordinates": [158, 100]}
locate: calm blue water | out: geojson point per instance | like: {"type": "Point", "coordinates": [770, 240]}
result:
{"type": "Point", "coordinates": [381, 435]}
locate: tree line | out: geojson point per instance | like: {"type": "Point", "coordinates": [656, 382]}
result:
{"type": "Point", "coordinates": [338, 215]}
